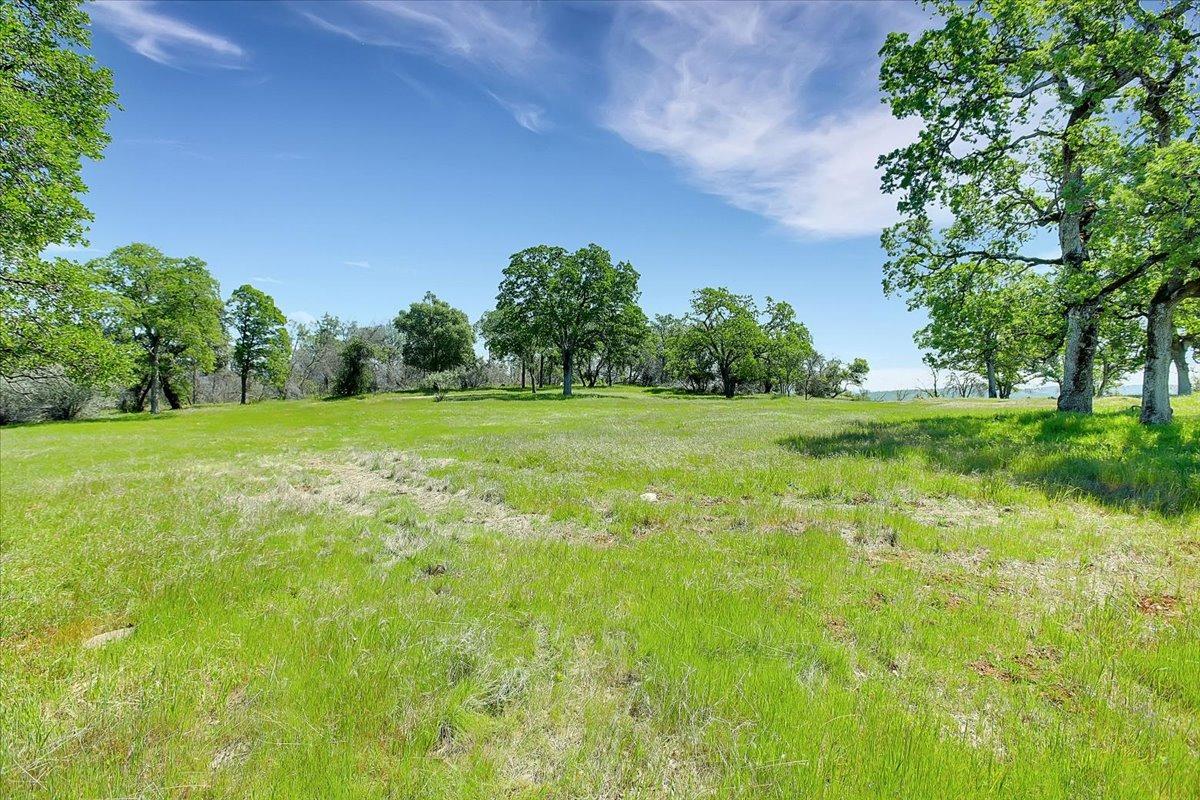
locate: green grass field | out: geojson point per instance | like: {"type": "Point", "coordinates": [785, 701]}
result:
{"type": "Point", "coordinates": [397, 598]}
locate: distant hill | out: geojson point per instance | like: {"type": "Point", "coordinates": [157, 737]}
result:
{"type": "Point", "coordinates": [1128, 390]}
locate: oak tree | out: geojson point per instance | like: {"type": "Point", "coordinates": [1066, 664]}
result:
{"type": "Point", "coordinates": [262, 346]}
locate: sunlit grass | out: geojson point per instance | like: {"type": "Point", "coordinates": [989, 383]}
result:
{"type": "Point", "coordinates": [400, 598]}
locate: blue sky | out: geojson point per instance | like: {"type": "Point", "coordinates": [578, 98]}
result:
{"type": "Point", "coordinates": [348, 157]}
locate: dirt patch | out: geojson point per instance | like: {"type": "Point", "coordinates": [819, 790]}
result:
{"type": "Point", "coordinates": [948, 511]}
{"type": "Point", "coordinates": [1158, 605]}
{"type": "Point", "coordinates": [986, 668]}
{"type": "Point", "coordinates": [358, 483]}
{"type": "Point", "coordinates": [230, 755]}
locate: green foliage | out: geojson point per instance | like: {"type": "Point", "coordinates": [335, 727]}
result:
{"type": "Point", "coordinates": [986, 320]}
{"type": "Point", "coordinates": [788, 345]}
{"type": "Point", "coordinates": [54, 103]}
{"type": "Point", "coordinates": [830, 377]}
{"type": "Point", "coordinates": [439, 383]}
{"type": "Point", "coordinates": [262, 346]}
{"type": "Point", "coordinates": [721, 336]}
{"type": "Point", "coordinates": [170, 309]}
{"type": "Point", "coordinates": [437, 336]}
{"type": "Point", "coordinates": [54, 316]}
{"type": "Point", "coordinates": [355, 375]}
{"type": "Point", "coordinates": [551, 298]}
{"type": "Point", "coordinates": [507, 333]}
{"type": "Point", "coordinates": [1066, 118]}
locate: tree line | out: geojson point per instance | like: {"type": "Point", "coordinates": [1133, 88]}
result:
{"type": "Point", "coordinates": [1049, 203]}
{"type": "Point", "coordinates": [579, 310]}
{"type": "Point", "coordinates": [560, 316]}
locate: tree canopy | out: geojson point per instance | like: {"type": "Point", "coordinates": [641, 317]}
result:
{"type": "Point", "coordinates": [54, 104]}
{"type": "Point", "coordinates": [262, 346]}
{"type": "Point", "coordinates": [170, 309]}
{"type": "Point", "coordinates": [1051, 119]}
{"type": "Point", "coordinates": [566, 301]}
{"type": "Point", "coordinates": [355, 375]}
{"type": "Point", "coordinates": [437, 336]}
{"type": "Point", "coordinates": [722, 330]}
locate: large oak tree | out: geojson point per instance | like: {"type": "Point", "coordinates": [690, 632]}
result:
{"type": "Point", "coordinates": [565, 300]}
{"type": "Point", "coordinates": [170, 309]}
{"type": "Point", "coordinates": [1027, 135]}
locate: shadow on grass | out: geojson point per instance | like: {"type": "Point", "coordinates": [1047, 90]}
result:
{"type": "Point", "coordinates": [134, 416]}
{"type": "Point", "coordinates": [525, 395]}
{"type": "Point", "coordinates": [684, 394]}
{"type": "Point", "coordinates": [1108, 456]}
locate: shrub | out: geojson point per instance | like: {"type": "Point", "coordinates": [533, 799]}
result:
{"type": "Point", "coordinates": [438, 383]}
{"type": "Point", "coordinates": [65, 399]}
{"type": "Point", "coordinates": [355, 375]}
{"type": "Point", "coordinates": [17, 404]}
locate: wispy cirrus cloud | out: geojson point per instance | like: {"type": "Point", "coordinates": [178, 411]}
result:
{"type": "Point", "coordinates": [492, 40]}
{"type": "Point", "coordinates": [506, 36]}
{"type": "Point", "coordinates": [529, 116]}
{"type": "Point", "coordinates": [770, 106]}
{"type": "Point", "coordinates": [265, 279]}
{"type": "Point", "coordinates": [164, 39]}
{"type": "Point", "coordinates": [358, 264]}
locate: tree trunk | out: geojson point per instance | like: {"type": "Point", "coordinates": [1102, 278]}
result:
{"type": "Point", "coordinates": [541, 369]}
{"type": "Point", "coordinates": [154, 379]}
{"type": "Point", "coordinates": [245, 380]}
{"type": "Point", "coordinates": [1179, 356]}
{"type": "Point", "coordinates": [568, 371]}
{"type": "Point", "coordinates": [1079, 359]}
{"type": "Point", "coordinates": [522, 374]}
{"type": "Point", "coordinates": [173, 398]}
{"type": "Point", "coordinates": [1160, 331]}
{"type": "Point", "coordinates": [139, 393]}
{"type": "Point", "coordinates": [991, 376]}
{"type": "Point", "coordinates": [727, 384]}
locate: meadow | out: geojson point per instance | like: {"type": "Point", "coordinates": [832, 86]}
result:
{"type": "Point", "coordinates": [629, 594]}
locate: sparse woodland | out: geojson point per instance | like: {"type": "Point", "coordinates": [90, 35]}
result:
{"type": "Point", "coordinates": [571, 549]}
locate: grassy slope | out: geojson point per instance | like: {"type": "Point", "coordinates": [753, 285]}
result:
{"type": "Point", "coordinates": [828, 599]}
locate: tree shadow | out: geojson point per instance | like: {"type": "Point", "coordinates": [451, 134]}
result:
{"type": "Point", "coordinates": [1107, 456]}
{"type": "Point", "coordinates": [524, 395]}
{"type": "Point", "coordinates": [685, 394]}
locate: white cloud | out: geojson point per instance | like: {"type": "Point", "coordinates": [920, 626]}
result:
{"type": "Point", "coordinates": [161, 38]}
{"type": "Point", "coordinates": [358, 264]}
{"type": "Point", "coordinates": [529, 116]}
{"type": "Point", "coordinates": [770, 106]}
{"type": "Point", "coordinates": [258, 279]}
{"type": "Point", "coordinates": [301, 317]}
{"type": "Point", "coordinates": [507, 36]}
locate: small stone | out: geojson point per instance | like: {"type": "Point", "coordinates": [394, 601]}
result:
{"type": "Point", "coordinates": [101, 639]}
{"type": "Point", "coordinates": [650, 497]}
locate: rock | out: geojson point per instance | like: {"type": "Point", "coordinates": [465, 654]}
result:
{"type": "Point", "coordinates": [101, 639]}
{"type": "Point", "coordinates": [650, 497]}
